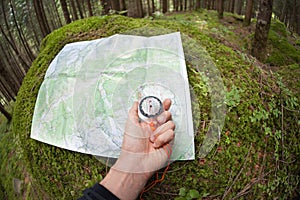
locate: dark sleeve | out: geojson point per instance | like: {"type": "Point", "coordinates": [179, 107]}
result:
{"type": "Point", "coordinates": [98, 192]}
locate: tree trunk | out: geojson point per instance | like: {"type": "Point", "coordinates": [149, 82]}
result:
{"type": "Point", "coordinates": [208, 5]}
{"type": "Point", "coordinates": [175, 5]}
{"type": "Point", "coordinates": [105, 6]}
{"type": "Point", "coordinates": [6, 91]}
{"type": "Point", "coordinates": [79, 9]}
{"type": "Point", "coordinates": [293, 17]}
{"type": "Point", "coordinates": [5, 113]}
{"type": "Point", "coordinates": [238, 6]}
{"type": "Point", "coordinates": [153, 6]}
{"type": "Point", "coordinates": [22, 38]}
{"type": "Point", "coordinates": [18, 71]}
{"type": "Point", "coordinates": [214, 5]}
{"type": "Point", "coordinates": [248, 14]}
{"type": "Point", "coordinates": [9, 80]}
{"type": "Point", "coordinates": [181, 5]}
{"type": "Point", "coordinates": [204, 4]}
{"type": "Point", "coordinates": [90, 8]}
{"type": "Point", "coordinates": [220, 9]}
{"type": "Point", "coordinates": [149, 8]}
{"type": "Point", "coordinates": [65, 10]}
{"type": "Point", "coordinates": [191, 5]}
{"type": "Point", "coordinates": [165, 6]}
{"type": "Point", "coordinates": [135, 9]}
{"type": "Point", "coordinates": [115, 5]}
{"type": "Point", "coordinates": [122, 5]}
{"type": "Point", "coordinates": [185, 5]}
{"type": "Point", "coordinates": [56, 14]}
{"type": "Point", "coordinates": [283, 11]}
{"type": "Point", "coordinates": [74, 10]}
{"type": "Point", "coordinates": [198, 4]}
{"type": "Point", "coordinates": [41, 17]}
{"type": "Point", "coordinates": [298, 19]}
{"type": "Point", "coordinates": [232, 2]}
{"type": "Point", "coordinates": [13, 46]}
{"type": "Point", "coordinates": [32, 26]}
{"type": "Point", "coordinates": [262, 29]}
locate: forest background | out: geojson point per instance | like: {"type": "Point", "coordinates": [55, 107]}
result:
{"type": "Point", "coordinates": [24, 23]}
{"type": "Point", "coordinates": [266, 29]}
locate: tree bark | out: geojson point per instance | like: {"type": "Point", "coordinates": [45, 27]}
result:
{"type": "Point", "coordinates": [32, 26]}
{"type": "Point", "coordinates": [262, 29]}
{"type": "Point", "coordinates": [56, 14]}
{"type": "Point", "coordinates": [198, 4]}
{"type": "Point", "coordinates": [90, 8]}
{"type": "Point", "coordinates": [65, 10]}
{"type": "Point", "coordinates": [79, 9]}
{"type": "Point", "coordinates": [122, 5]}
{"type": "Point", "coordinates": [283, 11]}
{"type": "Point", "coordinates": [298, 19]}
{"type": "Point", "coordinates": [22, 38]}
{"type": "Point", "coordinates": [181, 7]}
{"type": "Point", "coordinates": [204, 4]}
{"type": "Point", "coordinates": [238, 6]}
{"type": "Point", "coordinates": [153, 6]}
{"type": "Point", "coordinates": [41, 17]}
{"type": "Point", "coordinates": [5, 113]}
{"type": "Point", "coordinates": [115, 5]}
{"type": "Point", "coordinates": [135, 9]}
{"type": "Point", "coordinates": [293, 17]}
{"type": "Point", "coordinates": [105, 6]}
{"type": "Point", "coordinates": [248, 14]}
{"type": "Point", "coordinates": [74, 10]}
{"type": "Point", "coordinates": [185, 5]}
{"type": "Point", "coordinates": [220, 9]}
{"type": "Point", "coordinates": [9, 80]}
{"type": "Point", "coordinates": [175, 4]}
{"type": "Point", "coordinates": [165, 6]}
{"type": "Point", "coordinates": [232, 2]}
{"type": "Point", "coordinates": [208, 5]}
{"type": "Point", "coordinates": [13, 46]}
{"type": "Point", "coordinates": [149, 8]}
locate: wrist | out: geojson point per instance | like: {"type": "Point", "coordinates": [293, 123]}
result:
{"type": "Point", "coordinates": [126, 186]}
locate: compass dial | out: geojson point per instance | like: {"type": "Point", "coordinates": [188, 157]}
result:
{"type": "Point", "coordinates": [150, 107]}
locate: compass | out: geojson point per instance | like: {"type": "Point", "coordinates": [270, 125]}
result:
{"type": "Point", "coordinates": [150, 107]}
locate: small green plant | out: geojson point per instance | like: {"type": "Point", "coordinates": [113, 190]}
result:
{"type": "Point", "coordinates": [233, 97]}
{"type": "Point", "coordinates": [188, 195]}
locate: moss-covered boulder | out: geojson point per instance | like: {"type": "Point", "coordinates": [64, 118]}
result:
{"type": "Point", "coordinates": [258, 154]}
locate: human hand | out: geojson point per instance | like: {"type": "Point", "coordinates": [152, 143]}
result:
{"type": "Point", "coordinates": [143, 152]}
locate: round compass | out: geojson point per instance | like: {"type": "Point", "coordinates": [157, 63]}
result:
{"type": "Point", "coordinates": [150, 107]}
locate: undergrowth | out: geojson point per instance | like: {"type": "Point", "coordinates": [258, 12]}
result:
{"type": "Point", "coordinates": [258, 154]}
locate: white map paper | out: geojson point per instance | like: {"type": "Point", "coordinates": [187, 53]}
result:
{"type": "Point", "coordinates": [89, 87]}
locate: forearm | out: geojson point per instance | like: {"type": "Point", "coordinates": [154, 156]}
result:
{"type": "Point", "coordinates": [125, 186]}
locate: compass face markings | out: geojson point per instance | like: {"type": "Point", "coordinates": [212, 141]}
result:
{"type": "Point", "coordinates": [150, 107]}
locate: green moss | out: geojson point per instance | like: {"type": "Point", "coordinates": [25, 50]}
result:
{"type": "Point", "coordinates": [282, 52]}
{"type": "Point", "coordinates": [249, 151]}
{"type": "Point", "coordinates": [279, 28]}
{"type": "Point", "coordinates": [290, 75]}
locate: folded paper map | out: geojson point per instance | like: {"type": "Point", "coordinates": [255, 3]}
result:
{"type": "Point", "coordinates": [89, 87]}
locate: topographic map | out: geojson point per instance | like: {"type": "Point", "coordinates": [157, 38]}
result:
{"type": "Point", "coordinates": [89, 87]}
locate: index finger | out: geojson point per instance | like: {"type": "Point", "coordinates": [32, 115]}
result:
{"type": "Point", "coordinates": [167, 104]}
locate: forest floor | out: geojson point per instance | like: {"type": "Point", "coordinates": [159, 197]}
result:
{"type": "Point", "coordinates": [282, 56]}
{"type": "Point", "coordinates": [283, 50]}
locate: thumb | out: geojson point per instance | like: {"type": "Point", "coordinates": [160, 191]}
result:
{"type": "Point", "coordinates": [133, 113]}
